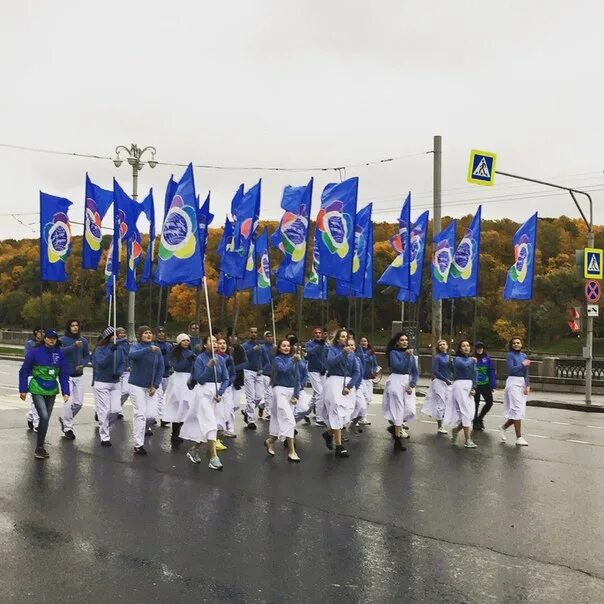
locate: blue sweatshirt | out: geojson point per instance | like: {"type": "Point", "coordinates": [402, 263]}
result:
{"type": "Point", "coordinates": [184, 362]}
{"type": "Point", "coordinates": [146, 367]}
{"type": "Point", "coordinates": [302, 373]}
{"type": "Point", "coordinates": [256, 359]}
{"type": "Point", "coordinates": [285, 373]}
{"type": "Point", "coordinates": [43, 356]}
{"type": "Point", "coordinates": [315, 356]}
{"type": "Point", "coordinates": [202, 373]}
{"type": "Point", "coordinates": [515, 366]}
{"type": "Point", "coordinates": [441, 367]}
{"type": "Point", "coordinates": [230, 366]}
{"type": "Point", "coordinates": [369, 363]}
{"type": "Point", "coordinates": [358, 371]}
{"type": "Point", "coordinates": [30, 344]}
{"type": "Point", "coordinates": [75, 355]}
{"type": "Point", "coordinates": [464, 368]}
{"type": "Point", "coordinates": [340, 363]}
{"type": "Point", "coordinates": [123, 343]}
{"type": "Point", "coordinates": [404, 363]}
{"type": "Point", "coordinates": [271, 351]}
{"type": "Point", "coordinates": [103, 368]}
{"type": "Point", "coordinates": [485, 371]}
{"type": "Point", "coordinates": [166, 350]}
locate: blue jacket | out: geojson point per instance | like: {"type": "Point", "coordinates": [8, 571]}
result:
{"type": "Point", "coordinates": [30, 344]}
{"type": "Point", "coordinates": [123, 343]}
{"type": "Point", "coordinates": [369, 363]}
{"type": "Point", "coordinates": [441, 367]}
{"type": "Point", "coordinates": [303, 373]}
{"type": "Point", "coordinates": [146, 367]}
{"type": "Point", "coordinates": [230, 366]}
{"type": "Point", "coordinates": [285, 373]}
{"type": "Point", "coordinates": [515, 366]}
{"type": "Point", "coordinates": [271, 351]}
{"type": "Point", "coordinates": [183, 363]}
{"type": "Point", "coordinates": [256, 359]}
{"type": "Point", "coordinates": [464, 368]}
{"type": "Point", "coordinates": [166, 350]}
{"type": "Point", "coordinates": [339, 363]}
{"type": "Point", "coordinates": [405, 364]}
{"type": "Point", "coordinates": [315, 356]}
{"type": "Point", "coordinates": [358, 372]}
{"type": "Point", "coordinates": [202, 373]}
{"type": "Point", "coordinates": [43, 356]}
{"type": "Point", "coordinates": [485, 371]}
{"type": "Point", "coordinates": [103, 368]}
{"type": "Point", "coordinates": [75, 355]}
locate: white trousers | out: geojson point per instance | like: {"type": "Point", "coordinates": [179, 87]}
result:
{"type": "Point", "coordinates": [32, 414]}
{"type": "Point", "coordinates": [107, 401]}
{"type": "Point", "coordinates": [363, 399]}
{"type": "Point", "coordinates": [253, 386]}
{"type": "Point", "coordinates": [125, 386]}
{"type": "Point", "coordinates": [145, 412]}
{"type": "Point", "coordinates": [398, 405]}
{"type": "Point", "coordinates": [161, 397]}
{"type": "Point", "coordinates": [76, 399]}
{"type": "Point", "coordinates": [317, 401]}
{"type": "Point", "coordinates": [268, 395]}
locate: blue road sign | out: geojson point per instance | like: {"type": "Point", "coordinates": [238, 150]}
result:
{"type": "Point", "coordinates": [481, 169]}
{"type": "Point", "coordinates": [592, 267]}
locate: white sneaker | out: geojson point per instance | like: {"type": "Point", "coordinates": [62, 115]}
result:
{"type": "Point", "coordinates": [193, 457]}
{"type": "Point", "coordinates": [470, 444]}
{"type": "Point", "coordinates": [215, 463]}
{"type": "Point", "coordinates": [364, 422]}
{"type": "Point", "coordinates": [442, 430]}
{"type": "Point", "coordinates": [521, 442]}
{"type": "Point", "coordinates": [502, 434]}
{"type": "Point", "coordinates": [454, 434]}
{"type": "Point", "coordinates": [404, 433]}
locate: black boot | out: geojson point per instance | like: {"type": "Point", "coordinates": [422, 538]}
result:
{"type": "Point", "coordinates": [328, 439]}
{"type": "Point", "coordinates": [341, 451]}
{"type": "Point", "coordinates": [398, 444]}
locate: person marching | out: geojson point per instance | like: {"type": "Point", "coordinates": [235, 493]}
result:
{"type": "Point", "coordinates": [516, 391]}
{"type": "Point", "coordinates": [315, 357]}
{"type": "Point", "coordinates": [486, 383]}
{"type": "Point", "coordinates": [240, 361]}
{"type": "Point", "coordinates": [268, 346]}
{"type": "Point", "coordinates": [253, 380]}
{"type": "Point", "coordinates": [341, 377]}
{"type": "Point", "coordinates": [146, 371]}
{"type": "Point", "coordinates": [108, 364]}
{"type": "Point", "coordinates": [48, 368]}
{"type": "Point", "coordinates": [303, 406]}
{"type": "Point", "coordinates": [286, 388]}
{"type": "Point", "coordinates": [228, 400]}
{"type": "Point", "coordinates": [211, 379]}
{"type": "Point", "coordinates": [33, 419]}
{"type": "Point", "coordinates": [178, 397]}
{"type": "Point", "coordinates": [166, 349]}
{"type": "Point", "coordinates": [122, 340]}
{"type": "Point", "coordinates": [460, 405]}
{"type": "Point", "coordinates": [358, 372]}
{"type": "Point", "coordinates": [399, 402]}
{"type": "Point", "coordinates": [435, 402]}
{"type": "Point", "coordinates": [364, 393]}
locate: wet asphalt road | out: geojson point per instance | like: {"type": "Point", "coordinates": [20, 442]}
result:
{"type": "Point", "coordinates": [436, 523]}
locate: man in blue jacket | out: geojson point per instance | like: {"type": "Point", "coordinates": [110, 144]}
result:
{"type": "Point", "coordinates": [486, 383]}
{"type": "Point", "coordinates": [166, 350]}
{"type": "Point", "coordinates": [76, 352]}
{"type": "Point", "coordinates": [268, 346]}
{"type": "Point", "coordinates": [253, 379]}
{"type": "Point", "coordinates": [315, 357]}
{"type": "Point", "coordinates": [37, 339]}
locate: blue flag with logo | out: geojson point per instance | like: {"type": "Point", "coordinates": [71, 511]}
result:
{"type": "Point", "coordinates": [204, 219]}
{"type": "Point", "coordinates": [96, 205]}
{"type": "Point", "coordinates": [367, 291]}
{"type": "Point", "coordinates": [442, 258]}
{"type": "Point", "coordinates": [226, 285]}
{"type": "Point", "coordinates": [148, 209]}
{"type": "Point", "coordinates": [417, 253]}
{"type": "Point", "coordinates": [463, 278]}
{"type": "Point", "coordinates": [291, 237]}
{"type": "Point", "coordinates": [178, 256]}
{"type": "Point", "coordinates": [170, 191]}
{"type": "Point", "coordinates": [316, 286]}
{"type": "Point", "coordinates": [335, 228]}
{"type": "Point", "coordinates": [55, 237]}
{"type": "Point", "coordinates": [520, 277]}
{"type": "Point", "coordinates": [262, 292]}
{"type": "Point", "coordinates": [397, 274]}
{"type": "Point", "coordinates": [283, 286]}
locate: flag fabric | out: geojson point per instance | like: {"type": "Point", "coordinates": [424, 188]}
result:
{"type": "Point", "coordinates": [148, 208]}
{"type": "Point", "coordinates": [249, 278]}
{"type": "Point", "coordinates": [335, 228]}
{"type": "Point", "coordinates": [179, 259]}
{"type": "Point", "coordinates": [367, 291]}
{"type": "Point", "coordinates": [463, 278]}
{"type": "Point", "coordinates": [520, 277]}
{"type": "Point", "coordinates": [362, 228]}
{"type": "Point", "coordinates": [397, 274]}
{"type": "Point", "coordinates": [226, 285]}
{"type": "Point", "coordinates": [316, 286]}
{"type": "Point", "coordinates": [291, 237]}
{"type": "Point", "coordinates": [262, 291]}
{"type": "Point", "coordinates": [170, 192]}
{"type": "Point", "coordinates": [283, 286]}
{"type": "Point", "coordinates": [204, 219]}
{"type": "Point", "coordinates": [96, 205]}
{"type": "Point", "coordinates": [417, 253]}
{"type": "Point", "coordinates": [55, 237]}
{"type": "Point", "coordinates": [442, 258]}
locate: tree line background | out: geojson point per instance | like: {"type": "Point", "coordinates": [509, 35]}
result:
{"type": "Point", "coordinates": [24, 302]}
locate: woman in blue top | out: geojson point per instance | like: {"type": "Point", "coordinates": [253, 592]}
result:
{"type": "Point", "coordinates": [369, 368]}
{"type": "Point", "coordinates": [398, 402]}
{"type": "Point", "coordinates": [516, 391]}
{"type": "Point", "coordinates": [225, 413]}
{"type": "Point", "coordinates": [178, 397]}
{"type": "Point", "coordinates": [108, 364]}
{"type": "Point", "coordinates": [211, 379]}
{"type": "Point", "coordinates": [440, 389]}
{"type": "Point", "coordinates": [286, 388]}
{"type": "Point", "coordinates": [460, 405]}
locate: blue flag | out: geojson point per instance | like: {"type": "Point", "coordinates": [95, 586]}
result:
{"type": "Point", "coordinates": [463, 278]}
{"type": "Point", "coordinates": [96, 205]}
{"type": "Point", "coordinates": [284, 286]}
{"type": "Point", "coordinates": [226, 285]}
{"type": "Point", "coordinates": [362, 228]}
{"type": "Point", "coordinates": [316, 286]}
{"type": "Point", "coordinates": [335, 228]}
{"type": "Point", "coordinates": [367, 291]}
{"type": "Point", "coordinates": [262, 292]}
{"type": "Point", "coordinates": [204, 219]}
{"type": "Point", "coordinates": [397, 274]}
{"type": "Point", "coordinates": [148, 208]}
{"type": "Point", "coordinates": [442, 258]}
{"type": "Point", "coordinates": [179, 259]}
{"type": "Point", "coordinates": [170, 192]}
{"type": "Point", "coordinates": [520, 277]}
{"type": "Point", "coordinates": [292, 235]}
{"type": "Point", "coordinates": [417, 253]}
{"type": "Point", "coordinates": [128, 213]}
{"type": "Point", "coordinates": [55, 237]}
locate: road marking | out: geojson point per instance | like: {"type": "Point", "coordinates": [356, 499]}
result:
{"type": "Point", "coordinates": [581, 442]}
{"type": "Point", "coordinates": [538, 436]}
{"type": "Point", "coordinates": [599, 427]}
{"type": "Point", "coordinates": [561, 423]}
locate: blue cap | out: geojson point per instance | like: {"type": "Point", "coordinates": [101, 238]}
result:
{"type": "Point", "coordinates": [51, 333]}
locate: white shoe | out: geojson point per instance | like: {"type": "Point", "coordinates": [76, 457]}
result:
{"type": "Point", "coordinates": [215, 463]}
{"type": "Point", "coordinates": [470, 444]}
{"type": "Point", "coordinates": [454, 434]}
{"type": "Point", "coordinates": [521, 442]}
{"type": "Point", "coordinates": [364, 422]}
{"type": "Point", "coordinates": [442, 430]}
{"type": "Point", "coordinates": [193, 457]}
{"type": "Point", "coordinates": [404, 433]}
{"type": "Point", "coordinates": [502, 434]}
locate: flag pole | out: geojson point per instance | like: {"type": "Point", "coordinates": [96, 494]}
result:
{"type": "Point", "coordinates": [273, 318]}
{"type": "Point", "coordinates": [235, 312]}
{"type": "Point", "coordinates": [114, 325]}
{"type": "Point", "coordinates": [159, 303]}
{"type": "Point", "coordinates": [205, 289]}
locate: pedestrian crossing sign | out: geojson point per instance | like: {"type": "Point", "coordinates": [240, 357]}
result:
{"type": "Point", "coordinates": [481, 169]}
{"type": "Point", "coordinates": [592, 263]}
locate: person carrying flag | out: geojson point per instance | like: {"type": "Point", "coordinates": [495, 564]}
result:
{"type": "Point", "coordinates": [253, 379]}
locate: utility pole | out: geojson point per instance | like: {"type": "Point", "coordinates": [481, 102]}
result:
{"type": "Point", "coordinates": [437, 305]}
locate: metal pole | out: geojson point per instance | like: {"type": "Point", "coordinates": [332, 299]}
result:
{"type": "Point", "coordinates": [166, 313]}
{"type": "Point", "coordinates": [198, 305]}
{"type": "Point", "coordinates": [235, 313]}
{"type": "Point", "coordinates": [161, 295]}
{"type": "Point", "coordinates": [437, 305]}
{"type": "Point", "coordinates": [300, 306]}
{"type": "Point", "coordinates": [590, 338]}
{"type": "Point", "coordinates": [361, 317]}
{"type": "Point", "coordinates": [530, 326]}
{"type": "Point", "coordinates": [372, 319]}
{"type": "Point", "coordinates": [132, 295]}
{"type": "Point", "coordinates": [402, 314]}
{"type": "Point", "coordinates": [452, 319]}
{"type": "Point", "coordinates": [475, 317]}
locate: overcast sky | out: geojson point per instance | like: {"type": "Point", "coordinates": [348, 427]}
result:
{"type": "Point", "coordinates": [304, 84]}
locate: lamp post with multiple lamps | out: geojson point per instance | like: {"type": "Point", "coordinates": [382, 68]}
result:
{"type": "Point", "coordinates": [134, 156]}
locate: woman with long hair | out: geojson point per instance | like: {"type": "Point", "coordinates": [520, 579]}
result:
{"type": "Point", "coordinates": [516, 391]}
{"type": "Point", "coordinates": [364, 393]}
{"type": "Point", "coordinates": [399, 402]}
{"type": "Point", "coordinates": [460, 405]}
{"type": "Point", "coordinates": [178, 397]}
{"type": "Point", "coordinates": [225, 415]}
{"type": "Point", "coordinates": [435, 403]}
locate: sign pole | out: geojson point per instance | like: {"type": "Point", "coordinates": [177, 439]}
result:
{"type": "Point", "coordinates": [437, 305]}
{"type": "Point", "coordinates": [589, 343]}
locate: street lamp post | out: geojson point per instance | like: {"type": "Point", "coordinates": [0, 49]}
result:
{"type": "Point", "coordinates": [134, 155]}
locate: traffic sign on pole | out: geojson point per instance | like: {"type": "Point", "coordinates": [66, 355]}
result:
{"type": "Point", "coordinates": [593, 291]}
{"type": "Point", "coordinates": [481, 169]}
{"type": "Point", "coordinates": [593, 310]}
{"type": "Point", "coordinates": [592, 263]}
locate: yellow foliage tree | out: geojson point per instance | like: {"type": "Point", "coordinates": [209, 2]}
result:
{"type": "Point", "coordinates": [506, 330]}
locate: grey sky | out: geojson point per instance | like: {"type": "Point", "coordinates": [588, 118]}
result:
{"type": "Point", "coordinates": [302, 84]}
